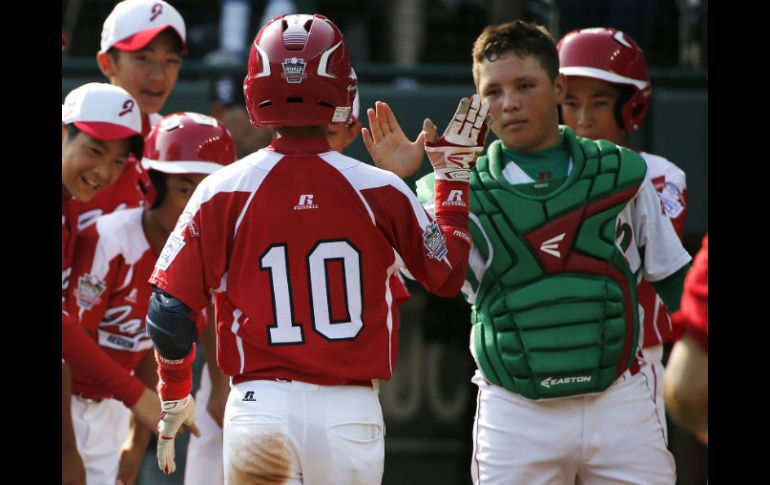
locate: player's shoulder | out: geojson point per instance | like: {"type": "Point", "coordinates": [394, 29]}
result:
{"type": "Point", "coordinates": [119, 223]}
{"type": "Point", "coordinates": [119, 232]}
{"type": "Point", "coordinates": [362, 175]}
{"type": "Point", "coordinates": [657, 166]}
{"type": "Point", "coordinates": [243, 174]}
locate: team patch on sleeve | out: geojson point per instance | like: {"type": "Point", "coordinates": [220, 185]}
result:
{"type": "Point", "coordinates": [174, 244]}
{"type": "Point", "coordinates": [90, 288]}
{"type": "Point", "coordinates": [434, 242]}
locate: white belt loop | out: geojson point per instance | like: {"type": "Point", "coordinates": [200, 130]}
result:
{"type": "Point", "coordinates": [376, 385]}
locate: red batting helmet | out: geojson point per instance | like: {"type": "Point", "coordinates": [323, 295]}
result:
{"type": "Point", "coordinates": [188, 143]}
{"type": "Point", "coordinates": [612, 56]}
{"type": "Point", "coordinates": [299, 73]}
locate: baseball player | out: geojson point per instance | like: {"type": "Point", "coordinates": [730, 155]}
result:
{"type": "Point", "coordinates": [563, 228]}
{"type": "Point", "coordinates": [98, 135]}
{"type": "Point", "coordinates": [113, 260]}
{"type": "Point", "coordinates": [204, 454]}
{"type": "Point", "coordinates": [296, 243]}
{"type": "Point", "coordinates": [142, 45]}
{"type": "Point", "coordinates": [686, 383]}
{"type": "Point", "coordinates": [608, 96]}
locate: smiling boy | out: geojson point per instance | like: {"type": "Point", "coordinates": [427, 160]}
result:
{"type": "Point", "coordinates": [141, 51]}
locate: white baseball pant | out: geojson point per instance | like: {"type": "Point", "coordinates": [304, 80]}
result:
{"type": "Point", "coordinates": [298, 433]}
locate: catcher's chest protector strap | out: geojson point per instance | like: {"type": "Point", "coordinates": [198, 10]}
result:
{"type": "Point", "coordinates": [555, 313]}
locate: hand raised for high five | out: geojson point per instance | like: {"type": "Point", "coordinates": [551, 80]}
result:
{"type": "Point", "coordinates": [387, 144]}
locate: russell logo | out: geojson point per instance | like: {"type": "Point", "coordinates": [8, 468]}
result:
{"type": "Point", "coordinates": [305, 202]}
{"type": "Point", "coordinates": [455, 199]}
{"type": "Point", "coordinates": [249, 396]}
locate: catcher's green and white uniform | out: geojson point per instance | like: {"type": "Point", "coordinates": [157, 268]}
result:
{"type": "Point", "coordinates": [556, 331]}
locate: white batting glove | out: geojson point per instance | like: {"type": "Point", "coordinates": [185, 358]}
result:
{"type": "Point", "coordinates": [174, 415]}
{"type": "Point", "coordinates": [453, 156]}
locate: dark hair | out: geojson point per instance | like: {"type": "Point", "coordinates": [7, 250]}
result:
{"type": "Point", "coordinates": [522, 38]}
{"type": "Point", "coordinates": [158, 180]}
{"type": "Point", "coordinates": [72, 131]}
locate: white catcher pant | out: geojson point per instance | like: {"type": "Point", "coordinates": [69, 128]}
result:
{"type": "Point", "coordinates": [101, 428]}
{"type": "Point", "coordinates": [298, 433]}
{"type": "Point", "coordinates": [204, 454]}
{"type": "Point", "coordinates": [652, 368]}
{"type": "Point", "coordinates": [611, 438]}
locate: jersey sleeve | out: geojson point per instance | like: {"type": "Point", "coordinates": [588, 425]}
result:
{"type": "Point", "coordinates": [92, 278]}
{"type": "Point", "coordinates": [434, 250]}
{"type": "Point", "coordinates": [86, 358]}
{"type": "Point", "coordinates": [656, 251]}
{"type": "Point", "coordinates": [193, 262]}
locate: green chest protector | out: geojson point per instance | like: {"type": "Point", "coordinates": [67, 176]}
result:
{"type": "Point", "coordinates": [556, 309]}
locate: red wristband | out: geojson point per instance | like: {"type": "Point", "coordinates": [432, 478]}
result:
{"type": "Point", "coordinates": [175, 376]}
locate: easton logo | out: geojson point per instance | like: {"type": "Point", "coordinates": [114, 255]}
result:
{"type": "Point", "coordinates": [249, 396]}
{"type": "Point", "coordinates": [551, 246]}
{"type": "Point", "coordinates": [305, 202]}
{"type": "Point", "coordinates": [294, 70]}
{"type": "Point", "coordinates": [550, 381]}
{"type": "Point", "coordinates": [455, 199]}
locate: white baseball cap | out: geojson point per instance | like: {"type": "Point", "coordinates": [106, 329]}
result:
{"type": "Point", "coordinates": [105, 112]}
{"type": "Point", "coordinates": [133, 24]}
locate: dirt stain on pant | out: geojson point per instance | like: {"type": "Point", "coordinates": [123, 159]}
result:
{"type": "Point", "coordinates": [260, 459]}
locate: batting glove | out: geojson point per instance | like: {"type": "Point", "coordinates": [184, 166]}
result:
{"type": "Point", "coordinates": [453, 156]}
{"type": "Point", "coordinates": [174, 415]}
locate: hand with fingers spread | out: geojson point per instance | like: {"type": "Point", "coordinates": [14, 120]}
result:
{"type": "Point", "coordinates": [387, 144]}
{"type": "Point", "coordinates": [175, 414]}
{"type": "Point", "coordinates": [454, 154]}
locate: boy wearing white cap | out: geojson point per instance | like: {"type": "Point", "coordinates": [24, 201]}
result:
{"type": "Point", "coordinates": [109, 293]}
{"type": "Point", "coordinates": [101, 127]}
{"type": "Point", "coordinates": [141, 51]}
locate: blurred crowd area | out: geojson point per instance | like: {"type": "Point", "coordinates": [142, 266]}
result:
{"type": "Point", "coordinates": [410, 33]}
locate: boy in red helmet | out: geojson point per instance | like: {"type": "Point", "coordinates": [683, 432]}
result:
{"type": "Point", "coordinates": [608, 96]}
{"type": "Point", "coordinates": [297, 243]}
{"type": "Point", "coordinates": [109, 293]}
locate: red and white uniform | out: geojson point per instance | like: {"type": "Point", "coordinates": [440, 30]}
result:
{"type": "Point", "coordinates": [669, 182]}
{"type": "Point", "coordinates": [109, 292]}
{"type": "Point", "coordinates": [109, 295]}
{"type": "Point", "coordinates": [309, 299]}
{"type": "Point", "coordinates": [78, 348]}
{"type": "Point", "coordinates": [132, 189]}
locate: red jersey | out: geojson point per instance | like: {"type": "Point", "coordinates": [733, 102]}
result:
{"type": "Point", "coordinates": [132, 189]}
{"type": "Point", "coordinates": [693, 315]}
{"type": "Point", "coordinates": [669, 181]}
{"type": "Point", "coordinates": [297, 244]}
{"type": "Point", "coordinates": [109, 293]}
{"type": "Point", "coordinates": [78, 348]}
{"type": "Point", "coordinates": [69, 231]}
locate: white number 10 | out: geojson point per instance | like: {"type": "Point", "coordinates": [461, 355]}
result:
{"type": "Point", "coordinates": [285, 330]}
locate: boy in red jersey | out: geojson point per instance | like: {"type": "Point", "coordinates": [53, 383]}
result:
{"type": "Point", "coordinates": [298, 243]}
{"type": "Point", "coordinates": [113, 260]}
